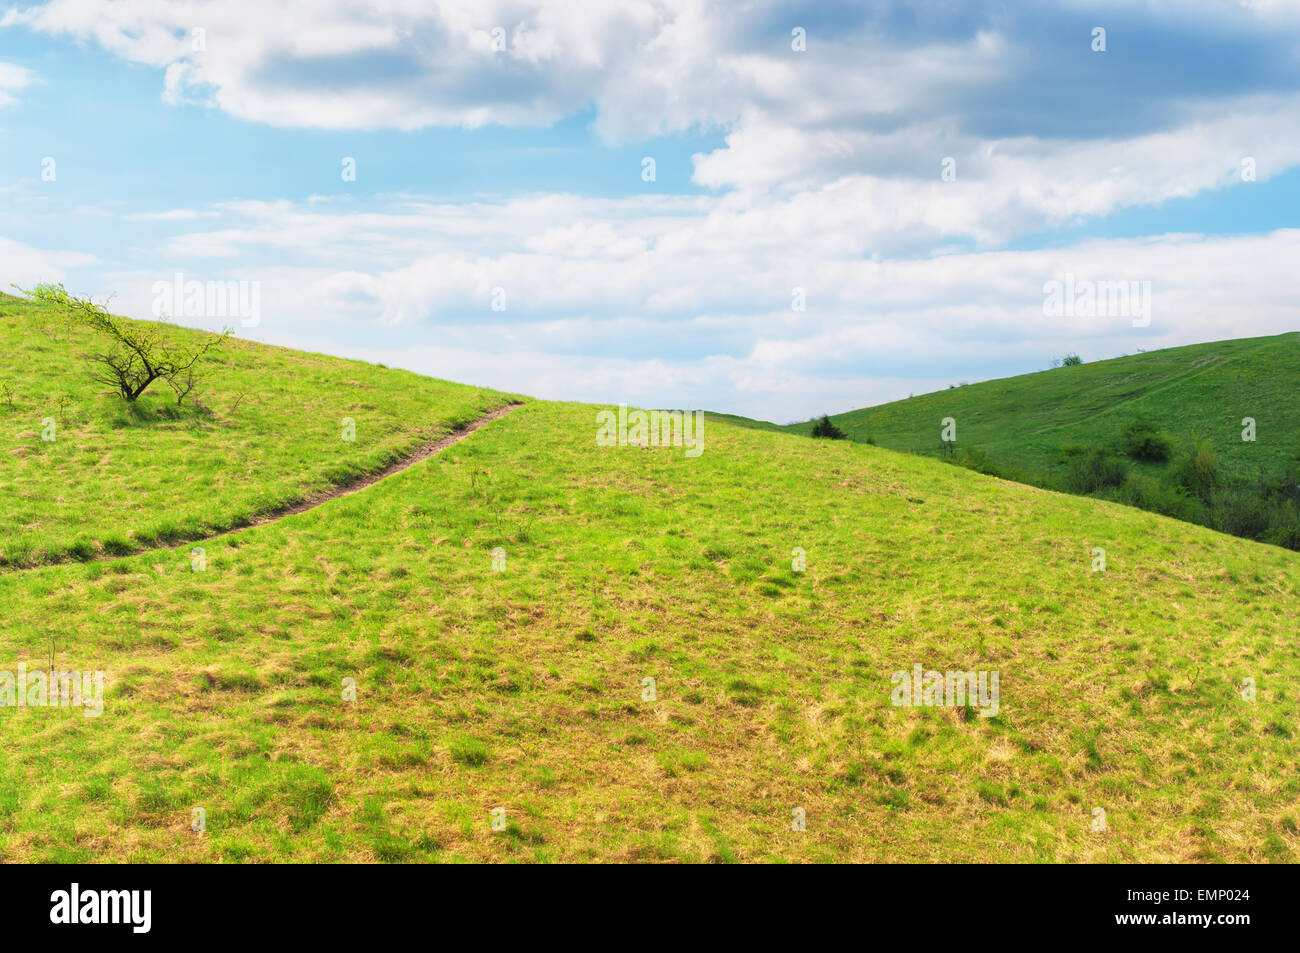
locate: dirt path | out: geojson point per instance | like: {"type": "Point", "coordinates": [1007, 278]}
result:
{"type": "Point", "coordinates": [422, 452]}
{"type": "Point", "coordinates": [367, 479]}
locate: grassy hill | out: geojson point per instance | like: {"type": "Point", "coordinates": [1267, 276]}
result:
{"type": "Point", "coordinates": [1199, 391]}
{"type": "Point", "coordinates": [1208, 433]}
{"type": "Point", "coordinates": [523, 686]}
{"type": "Point", "coordinates": [115, 479]}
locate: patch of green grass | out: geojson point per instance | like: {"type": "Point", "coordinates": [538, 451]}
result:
{"type": "Point", "coordinates": [468, 750]}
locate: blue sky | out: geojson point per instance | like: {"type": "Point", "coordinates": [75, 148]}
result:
{"type": "Point", "coordinates": [514, 175]}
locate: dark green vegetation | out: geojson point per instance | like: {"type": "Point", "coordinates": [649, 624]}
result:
{"type": "Point", "coordinates": [825, 429]}
{"type": "Point", "coordinates": [1165, 431]}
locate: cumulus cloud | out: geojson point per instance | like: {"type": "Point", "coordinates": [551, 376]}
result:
{"type": "Point", "coordinates": [1014, 92]}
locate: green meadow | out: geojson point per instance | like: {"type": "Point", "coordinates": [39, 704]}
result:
{"type": "Point", "coordinates": [530, 648]}
{"type": "Point", "coordinates": [367, 680]}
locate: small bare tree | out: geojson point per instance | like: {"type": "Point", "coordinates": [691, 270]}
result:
{"type": "Point", "coordinates": [138, 355]}
{"type": "Point", "coordinates": [183, 384]}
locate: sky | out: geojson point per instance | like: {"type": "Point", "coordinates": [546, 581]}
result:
{"type": "Point", "coordinates": [776, 209]}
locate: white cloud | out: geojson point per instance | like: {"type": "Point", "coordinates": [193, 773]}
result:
{"type": "Point", "coordinates": [170, 215]}
{"type": "Point", "coordinates": [25, 266]}
{"type": "Point", "coordinates": [889, 329]}
{"type": "Point", "coordinates": [1042, 129]}
{"type": "Point", "coordinates": [12, 79]}
{"type": "Point", "coordinates": [690, 302]}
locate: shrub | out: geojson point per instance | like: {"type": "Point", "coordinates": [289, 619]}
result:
{"type": "Point", "coordinates": [1144, 440]}
{"type": "Point", "coordinates": [1196, 470]}
{"type": "Point", "coordinates": [1071, 360]}
{"type": "Point", "coordinates": [1159, 496]}
{"type": "Point", "coordinates": [136, 354]}
{"type": "Point", "coordinates": [824, 428]}
{"type": "Point", "coordinates": [1242, 510]}
{"type": "Point", "coordinates": [1289, 485]}
{"type": "Point", "coordinates": [1284, 524]}
{"type": "Point", "coordinates": [973, 458]}
{"type": "Point", "coordinates": [1095, 470]}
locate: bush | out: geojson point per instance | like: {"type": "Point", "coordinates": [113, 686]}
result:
{"type": "Point", "coordinates": [1071, 360]}
{"type": "Point", "coordinates": [1094, 470]}
{"type": "Point", "coordinates": [973, 458]}
{"type": "Point", "coordinates": [1197, 470]}
{"type": "Point", "coordinates": [1284, 524]}
{"type": "Point", "coordinates": [1242, 510]}
{"type": "Point", "coordinates": [1144, 440]}
{"type": "Point", "coordinates": [824, 428]}
{"type": "Point", "coordinates": [1289, 485]}
{"type": "Point", "coordinates": [1158, 496]}
{"type": "Point", "coordinates": [136, 354]}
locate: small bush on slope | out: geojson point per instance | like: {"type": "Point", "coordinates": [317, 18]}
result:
{"type": "Point", "coordinates": [136, 354]}
{"type": "Point", "coordinates": [1196, 469]}
{"type": "Point", "coordinates": [1143, 440]}
{"type": "Point", "coordinates": [824, 428]}
{"type": "Point", "coordinates": [1095, 469]}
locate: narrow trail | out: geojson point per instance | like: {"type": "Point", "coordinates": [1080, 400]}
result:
{"type": "Point", "coordinates": [311, 501]}
{"type": "Point", "coordinates": [369, 479]}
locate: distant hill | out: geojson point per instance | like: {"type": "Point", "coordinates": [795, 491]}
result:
{"type": "Point", "coordinates": [749, 422]}
{"type": "Point", "coordinates": [1198, 391]}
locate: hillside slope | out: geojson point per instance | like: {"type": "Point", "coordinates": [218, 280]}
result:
{"type": "Point", "coordinates": [270, 431]}
{"type": "Point", "coordinates": [1199, 391]}
{"type": "Point", "coordinates": [512, 686]}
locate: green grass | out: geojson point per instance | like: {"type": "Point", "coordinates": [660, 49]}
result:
{"type": "Point", "coordinates": [522, 689]}
{"type": "Point", "coordinates": [117, 478]}
{"type": "Point", "coordinates": [1023, 423]}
